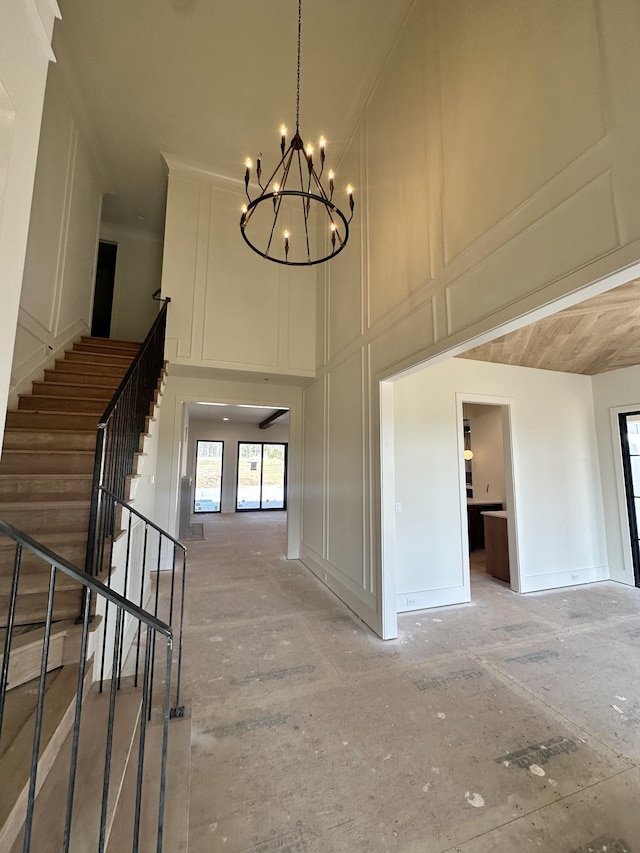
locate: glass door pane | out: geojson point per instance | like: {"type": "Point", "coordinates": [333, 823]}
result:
{"type": "Point", "coordinates": [274, 476]}
{"type": "Point", "coordinates": [262, 475]}
{"type": "Point", "coordinates": [630, 439]}
{"type": "Point", "coordinates": [208, 485]}
{"type": "Point", "coordinates": [249, 475]}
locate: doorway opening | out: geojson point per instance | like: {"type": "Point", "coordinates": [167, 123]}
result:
{"type": "Point", "coordinates": [262, 476]}
{"type": "Point", "coordinates": [103, 291]}
{"type": "Point", "coordinates": [488, 487]}
{"type": "Point", "coordinates": [208, 476]}
{"type": "Point", "coordinates": [629, 424]}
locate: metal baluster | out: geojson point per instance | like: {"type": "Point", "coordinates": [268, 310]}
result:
{"type": "Point", "coordinates": [144, 566]}
{"type": "Point", "coordinates": [145, 710]}
{"type": "Point", "coordinates": [109, 745]}
{"type": "Point", "coordinates": [76, 724]}
{"type": "Point", "coordinates": [165, 743]}
{"type": "Point", "coordinates": [37, 732]}
{"type": "Point", "coordinates": [178, 710]}
{"type": "Point", "coordinates": [4, 680]}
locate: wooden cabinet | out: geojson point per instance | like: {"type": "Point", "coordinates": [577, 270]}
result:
{"type": "Point", "coordinates": [475, 524]}
{"type": "Point", "coordinates": [496, 544]}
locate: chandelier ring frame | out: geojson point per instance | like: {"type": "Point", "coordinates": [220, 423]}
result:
{"type": "Point", "coordinates": [330, 207]}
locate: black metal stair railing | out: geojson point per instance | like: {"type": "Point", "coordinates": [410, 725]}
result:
{"type": "Point", "coordinates": [156, 633]}
{"type": "Point", "coordinates": [118, 436]}
{"type": "Point", "coordinates": [148, 552]}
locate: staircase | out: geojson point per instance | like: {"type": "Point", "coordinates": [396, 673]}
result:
{"type": "Point", "coordinates": [46, 470]}
{"type": "Point", "coordinates": [58, 758]}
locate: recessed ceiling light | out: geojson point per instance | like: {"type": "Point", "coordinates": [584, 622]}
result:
{"type": "Point", "coordinates": [210, 404]}
{"type": "Point", "coordinates": [225, 419]}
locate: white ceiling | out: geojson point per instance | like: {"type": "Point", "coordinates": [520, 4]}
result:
{"type": "Point", "coordinates": [253, 415]}
{"type": "Point", "coordinates": [211, 81]}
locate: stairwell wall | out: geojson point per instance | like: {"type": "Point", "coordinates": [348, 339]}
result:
{"type": "Point", "coordinates": [57, 286]}
{"type": "Point", "coordinates": [24, 59]}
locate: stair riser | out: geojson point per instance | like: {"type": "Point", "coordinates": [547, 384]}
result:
{"type": "Point", "coordinates": [133, 346]}
{"type": "Point", "coordinates": [96, 349]}
{"type": "Point", "coordinates": [68, 377]}
{"type": "Point", "coordinates": [33, 608]}
{"type": "Point", "coordinates": [99, 368]}
{"type": "Point", "coordinates": [71, 390]}
{"type": "Point", "coordinates": [118, 361]}
{"type": "Point", "coordinates": [52, 420]}
{"type": "Point", "coordinates": [36, 403]}
{"type": "Point", "coordinates": [44, 440]}
{"type": "Point", "coordinates": [20, 488]}
{"type": "Point", "coordinates": [31, 564]}
{"type": "Point", "coordinates": [44, 462]}
{"type": "Point", "coordinates": [51, 520]}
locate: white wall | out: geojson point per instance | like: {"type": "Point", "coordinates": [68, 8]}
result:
{"type": "Point", "coordinates": [206, 387]}
{"type": "Point", "coordinates": [495, 170]}
{"type": "Point", "coordinates": [616, 391]}
{"type": "Point", "coordinates": [559, 521]}
{"type": "Point", "coordinates": [138, 275]}
{"type": "Point", "coordinates": [231, 434]}
{"type": "Point", "coordinates": [487, 465]}
{"type": "Point", "coordinates": [26, 29]}
{"type": "Point", "coordinates": [230, 308]}
{"type": "Point", "coordinates": [57, 288]}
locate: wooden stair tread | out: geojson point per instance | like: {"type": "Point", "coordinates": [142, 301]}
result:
{"type": "Point", "coordinates": [15, 762]}
{"type": "Point", "coordinates": [49, 814]}
{"type": "Point", "coordinates": [26, 649]}
{"type": "Point", "coordinates": [177, 795]}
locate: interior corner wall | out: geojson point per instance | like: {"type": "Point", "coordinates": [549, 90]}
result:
{"type": "Point", "coordinates": [230, 308]}
{"type": "Point", "coordinates": [465, 223]}
{"type": "Point", "coordinates": [57, 288]}
{"type": "Point", "coordinates": [24, 60]}
{"type": "Point", "coordinates": [559, 514]}
{"type": "Point", "coordinates": [230, 433]}
{"type": "Point", "coordinates": [172, 451]}
{"type": "Point", "coordinates": [138, 276]}
{"type": "Point", "coordinates": [616, 391]}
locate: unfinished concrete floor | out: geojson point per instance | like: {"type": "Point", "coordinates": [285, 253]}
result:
{"type": "Point", "coordinates": [509, 724]}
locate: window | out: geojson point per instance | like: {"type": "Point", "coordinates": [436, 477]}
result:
{"type": "Point", "coordinates": [208, 476]}
{"type": "Point", "coordinates": [262, 476]}
{"type": "Point", "coordinates": [630, 440]}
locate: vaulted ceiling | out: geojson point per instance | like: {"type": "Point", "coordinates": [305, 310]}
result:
{"type": "Point", "coordinates": [212, 81]}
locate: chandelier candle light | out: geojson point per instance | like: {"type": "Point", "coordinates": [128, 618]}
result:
{"type": "Point", "coordinates": [301, 205]}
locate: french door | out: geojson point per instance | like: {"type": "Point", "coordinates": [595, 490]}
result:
{"type": "Point", "coordinates": [630, 441]}
{"type": "Point", "coordinates": [208, 486]}
{"type": "Point", "coordinates": [262, 476]}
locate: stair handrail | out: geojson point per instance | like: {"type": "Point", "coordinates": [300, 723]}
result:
{"type": "Point", "coordinates": [119, 429]}
{"type": "Point", "coordinates": [177, 710]}
{"type": "Point", "coordinates": [155, 628]}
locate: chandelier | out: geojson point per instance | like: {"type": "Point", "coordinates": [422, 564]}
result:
{"type": "Point", "coordinates": [294, 220]}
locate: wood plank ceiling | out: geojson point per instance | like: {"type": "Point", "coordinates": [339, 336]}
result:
{"type": "Point", "coordinates": [596, 336]}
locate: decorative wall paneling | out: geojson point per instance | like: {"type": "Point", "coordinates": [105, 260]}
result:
{"type": "Point", "coordinates": [57, 287]}
{"type": "Point", "coordinates": [489, 192]}
{"type": "Point", "coordinates": [24, 61]}
{"type": "Point", "coordinates": [230, 309]}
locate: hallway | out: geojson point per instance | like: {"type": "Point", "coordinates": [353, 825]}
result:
{"type": "Point", "coordinates": [509, 723]}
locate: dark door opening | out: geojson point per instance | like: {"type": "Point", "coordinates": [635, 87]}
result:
{"type": "Point", "coordinates": [630, 442]}
{"type": "Point", "coordinates": [103, 293]}
{"type": "Point", "coordinates": [262, 476]}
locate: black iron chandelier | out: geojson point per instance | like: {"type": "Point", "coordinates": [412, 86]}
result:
{"type": "Point", "coordinates": [294, 199]}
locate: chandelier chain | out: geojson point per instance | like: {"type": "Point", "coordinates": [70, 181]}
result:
{"type": "Point", "coordinates": [298, 80]}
